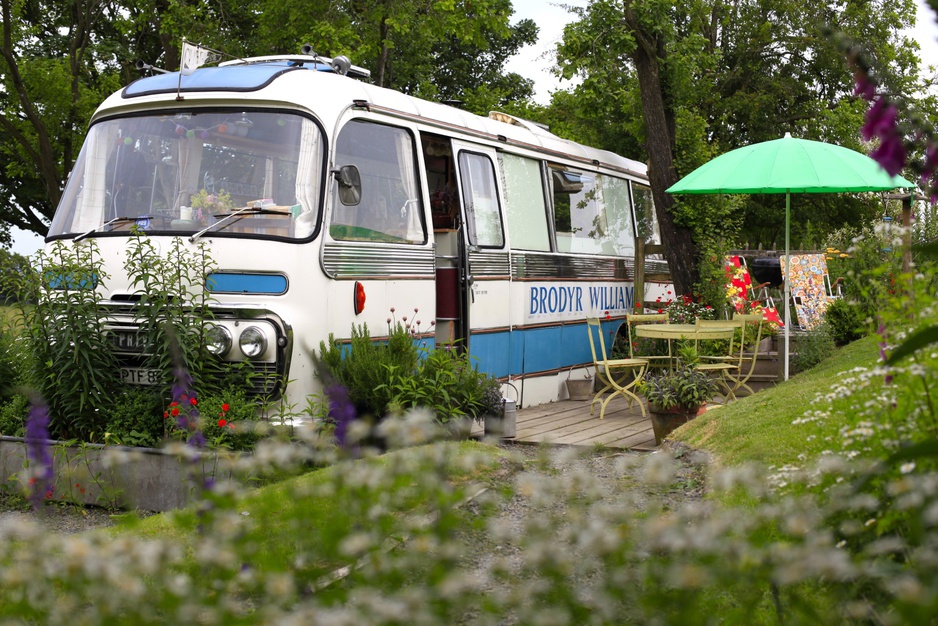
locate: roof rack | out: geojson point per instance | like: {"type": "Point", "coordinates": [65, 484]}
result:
{"type": "Point", "coordinates": [340, 64]}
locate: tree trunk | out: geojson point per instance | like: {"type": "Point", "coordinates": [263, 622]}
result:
{"type": "Point", "coordinates": [680, 248]}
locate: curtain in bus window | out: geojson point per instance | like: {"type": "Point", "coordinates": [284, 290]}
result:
{"type": "Point", "coordinates": [307, 179]}
{"type": "Point", "coordinates": [620, 234]}
{"type": "Point", "coordinates": [384, 156]}
{"type": "Point", "coordinates": [525, 208]}
{"type": "Point", "coordinates": [89, 214]}
{"type": "Point", "coordinates": [412, 208]}
{"type": "Point", "coordinates": [483, 221]}
{"type": "Point", "coordinates": [190, 165]}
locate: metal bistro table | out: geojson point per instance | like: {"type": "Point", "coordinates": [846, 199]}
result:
{"type": "Point", "coordinates": [683, 331]}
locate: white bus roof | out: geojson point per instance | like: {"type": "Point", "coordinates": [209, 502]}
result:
{"type": "Point", "coordinates": [314, 85]}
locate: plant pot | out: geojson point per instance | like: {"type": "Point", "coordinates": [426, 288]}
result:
{"type": "Point", "coordinates": [663, 421]}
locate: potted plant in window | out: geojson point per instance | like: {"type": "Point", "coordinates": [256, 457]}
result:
{"type": "Point", "coordinates": [676, 396]}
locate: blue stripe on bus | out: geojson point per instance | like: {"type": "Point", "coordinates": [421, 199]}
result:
{"type": "Point", "coordinates": [230, 282]}
{"type": "Point", "coordinates": [533, 350]}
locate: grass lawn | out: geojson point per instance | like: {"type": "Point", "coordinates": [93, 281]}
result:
{"type": "Point", "coordinates": [323, 503]}
{"type": "Point", "coordinates": [759, 428]}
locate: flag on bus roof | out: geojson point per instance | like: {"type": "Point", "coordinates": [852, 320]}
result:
{"type": "Point", "coordinates": [195, 56]}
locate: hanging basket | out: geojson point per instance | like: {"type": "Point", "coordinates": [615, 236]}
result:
{"type": "Point", "coordinates": [579, 388]}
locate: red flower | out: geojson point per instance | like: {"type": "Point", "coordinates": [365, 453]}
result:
{"type": "Point", "coordinates": [174, 412]}
{"type": "Point", "coordinates": [193, 401]}
{"type": "Point", "coordinates": [222, 422]}
{"type": "Point", "coordinates": [165, 415]}
{"type": "Point", "coordinates": [225, 407]}
{"type": "Point", "coordinates": [231, 425]}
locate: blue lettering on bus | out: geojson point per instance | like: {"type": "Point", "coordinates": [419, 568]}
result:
{"type": "Point", "coordinates": [569, 300]}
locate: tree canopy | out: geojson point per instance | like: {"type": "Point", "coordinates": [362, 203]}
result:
{"type": "Point", "coordinates": [689, 81]}
{"type": "Point", "coordinates": [59, 60]}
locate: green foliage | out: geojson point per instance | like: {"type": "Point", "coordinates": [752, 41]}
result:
{"type": "Point", "coordinates": [391, 375]}
{"type": "Point", "coordinates": [71, 363]}
{"type": "Point", "coordinates": [13, 412]}
{"type": "Point", "coordinates": [811, 348]}
{"type": "Point", "coordinates": [844, 322]}
{"type": "Point", "coordinates": [683, 387]}
{"type": "Point", "coordinates": [448, 384]}
{"type": "Point", "coordinates": [173, 302]}
{"type": "Point", "coordinates": [135, 418]}
{"type": "Point", "coordinates": [231, 420]}
{"type": "Point", "coordinates": [367, 367]}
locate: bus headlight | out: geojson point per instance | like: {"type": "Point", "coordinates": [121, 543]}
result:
{"type": "Point", "coordinates": [253, 342]}
{"type": "Point", "coordinates": [218, 340]}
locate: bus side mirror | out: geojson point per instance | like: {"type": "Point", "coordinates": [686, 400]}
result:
{"type": "Point", "coordinates": [349, 180]}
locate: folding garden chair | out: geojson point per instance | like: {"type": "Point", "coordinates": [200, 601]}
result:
{"type": "Point", "coordinates": [654, 360]}
{"type": "Point", "coordinates": [747, 360]}
{"type": "Point", "coordinates": [617, 376]}
{"type": "Point", "coordinates": [810, 288]}
{"type": "Point", "coordinates": [724, 363]}
{"type": "Point", "coordinates": [743, 295]}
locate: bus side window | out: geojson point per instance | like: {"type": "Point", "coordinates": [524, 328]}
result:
{"type": "Point", "coordinates": [390, 207]}
{"type": "Point", "coordinates": [526, 209]}
{"type": "Point", "coordinates": [480, 194]}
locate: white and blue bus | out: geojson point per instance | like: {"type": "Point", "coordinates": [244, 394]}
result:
{"type": "Point", "coordinates": [328, 201]}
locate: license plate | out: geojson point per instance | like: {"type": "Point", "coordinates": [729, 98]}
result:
{"type": "Point", "coordinates": [140, 376]}
{"type": "Point", "coordinates": [124, 341]}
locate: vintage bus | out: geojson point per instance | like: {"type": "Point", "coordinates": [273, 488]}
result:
{"type": "Point", "coordinates": [328, 202]}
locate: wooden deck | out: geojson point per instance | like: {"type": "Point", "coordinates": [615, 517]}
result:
{"type": "Point", "coordinates": [568, 422]}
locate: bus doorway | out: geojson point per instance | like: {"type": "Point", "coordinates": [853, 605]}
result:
{"type": "Point", "coordinates": [451, 279]}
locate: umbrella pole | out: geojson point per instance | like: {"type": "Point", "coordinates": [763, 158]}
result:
{"type": "Point", "coordinates": [787, 279]}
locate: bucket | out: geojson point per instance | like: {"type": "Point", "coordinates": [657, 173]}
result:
{"type": "Point", "coordinates": [505, 425]}
{"type": "Point", "coordinates": [579, 388]}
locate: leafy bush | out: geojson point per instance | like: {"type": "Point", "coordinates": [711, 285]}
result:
{"type": "Point", "coordinates": [71, 363]}
{"type": "Point", "coordinates": [683, 387]}
{"type": "Point", "coordinates": [844, 322]}
{"type": "Point", "coordinates": [449, 385]}
{"type": "Point", "coordinates": [135, 418]}
{"type": "Point", "coordinates": [391, 375]}
{"type": "Point", "coordinates": [812, 348]}
{"type": "Point", "coordinates": [369, 367]}
{"type": "Point", "coordinates": [13, 414]}
{"type": "Point", "coordinates": [230, 420]}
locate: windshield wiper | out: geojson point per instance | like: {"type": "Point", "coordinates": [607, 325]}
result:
{"type": "Point", "coordinates": [139, 218]}
{"type": "Point", "coordinates": [231, 217]}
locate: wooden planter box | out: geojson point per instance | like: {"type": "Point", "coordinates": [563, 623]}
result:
{"type": "Point", "coordinates": [119, 477]}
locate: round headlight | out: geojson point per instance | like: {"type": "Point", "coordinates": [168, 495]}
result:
{"type": "Point", "coordinates": [253, 342]}
{"type": "Point", "coordinates": [218, 339]}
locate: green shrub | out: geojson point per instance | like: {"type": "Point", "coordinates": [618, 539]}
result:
{"type": "Point", "coordinates": [230, 420]}
{"type": "Point", "coordinates": [13, 414]}
{"type": "Point", "coordinates": [812, 348]}
{"type": "Point", "coordinates": [369, 367]}
{"type": "Point", "coordinates": [844, 322]}
{"type": "Point", "coordinates": [394, 374]}
{"type": "Point", "coordinates": [135, 418]}
{"type": "Point", "coordinates": [447, 383]}
{"type": "Point", "coordinates": [10, 365]}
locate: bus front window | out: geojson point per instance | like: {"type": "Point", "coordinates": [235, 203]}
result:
{"type": "Point", "coordinates": [184, 171]}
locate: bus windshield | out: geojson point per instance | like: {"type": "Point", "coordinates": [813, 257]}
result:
{"type": "Point", "coordinates": [186, 171]}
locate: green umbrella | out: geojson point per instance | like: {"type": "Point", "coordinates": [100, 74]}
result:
{"type": "Point", "coordinates": [789, 166]}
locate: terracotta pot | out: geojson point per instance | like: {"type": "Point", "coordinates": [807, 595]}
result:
{"type": "Point", "coordinates": [663, 421]}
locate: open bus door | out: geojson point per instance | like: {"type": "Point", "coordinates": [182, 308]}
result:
{"type": "Point", "coordinates": [472, 259]}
